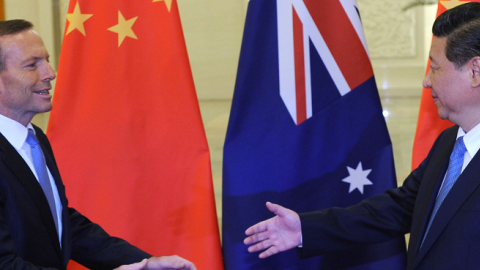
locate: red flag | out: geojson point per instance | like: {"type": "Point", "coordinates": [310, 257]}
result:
{"type": "Point", "coordinates": [127, 132]}
{"type": "Point", "coordinates": [429, 124]}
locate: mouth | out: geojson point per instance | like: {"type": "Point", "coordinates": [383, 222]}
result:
{"type": "Point", "coordinates": [43, 91]}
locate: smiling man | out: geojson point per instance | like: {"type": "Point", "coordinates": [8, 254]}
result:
{"type": "Point", "coordinates": [439, 202]}
{"type": "Point", "coordinates": [37, 228]}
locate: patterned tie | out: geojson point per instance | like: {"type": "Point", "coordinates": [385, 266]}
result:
{"type": "Point", "coordinates": [453, 172]}
{"type": "Point", "coordinates": [41, 169]}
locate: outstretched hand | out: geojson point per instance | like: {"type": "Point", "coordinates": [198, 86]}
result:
{"type": "Point", "coordinates": [277, 234]}
{"type": "Point", "coordinates": [160, 263]}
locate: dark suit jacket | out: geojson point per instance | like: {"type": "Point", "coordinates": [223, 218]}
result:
{"type": "Point", "coordinates": [28, 239]}
{"type": "Point", "coordinates": [453, 241]}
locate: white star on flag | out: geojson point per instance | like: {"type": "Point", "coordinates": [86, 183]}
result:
{"type": "Point", "coordinates": [357, 178]}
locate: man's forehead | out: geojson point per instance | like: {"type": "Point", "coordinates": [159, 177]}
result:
{"type": "Point", "coordinates": [24, 40]}
{"type": "Point", "coordinates": [27, 36]}
{"type": "Point", "coordinates": [437, 49]}
{"type": "Point", "coordinates": [21, 48]}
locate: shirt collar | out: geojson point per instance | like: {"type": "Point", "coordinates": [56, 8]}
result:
{"type": "Point", "coordinates": [13, 131]}
{"type": "Point", "coordinates": [471, 139]}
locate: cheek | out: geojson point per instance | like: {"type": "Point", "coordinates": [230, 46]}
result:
{"type": "Point", "coordinates": [16, 86]}
{"type": "Point", "coordinates": [442, 85]}
{"type": "Point", "coordinates": [14, 92]}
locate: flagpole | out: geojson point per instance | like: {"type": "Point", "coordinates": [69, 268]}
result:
{"type": "Point", "coordinates": [57, 32]}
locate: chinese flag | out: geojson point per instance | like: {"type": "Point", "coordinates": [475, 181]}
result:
{"type": "Point", "coordinates": [429, 124]}
{"type": "Point", "coordinates": [127, 132]}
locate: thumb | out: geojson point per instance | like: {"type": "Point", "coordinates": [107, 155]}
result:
{"type": "Point", "coordinates": [277, 209]}
{"type": "Point", "coordinates": [133, 266]}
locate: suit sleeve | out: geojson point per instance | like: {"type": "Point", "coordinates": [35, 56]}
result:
{"type": "Point", "coordinates": [374, 220]}
{"type": "Point", "coordinates": [95, 249]}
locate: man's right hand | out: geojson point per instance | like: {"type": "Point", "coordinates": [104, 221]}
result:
{"type": "Point", "coordinates": [160, 263]}
{"type": "Point", "coordinates": [277, 234]}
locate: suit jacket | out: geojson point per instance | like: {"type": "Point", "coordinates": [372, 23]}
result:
{"type": "Point", "coordinates": [453, 241]}
{"type": "Point", "coordinates": [28, 238]}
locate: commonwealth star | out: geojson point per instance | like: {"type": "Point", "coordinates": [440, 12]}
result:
{"type": "Point", "coordinates": [357, 178]}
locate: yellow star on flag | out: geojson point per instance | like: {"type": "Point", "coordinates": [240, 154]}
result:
{"type": "Point", "coordinates": [452, 3]}
{"type": "Point", "coordinates": [123, 28]}
{"type": "Point", "coordinates": [167, 2]}
{"type": "Point", "coordinates": [77, 19]}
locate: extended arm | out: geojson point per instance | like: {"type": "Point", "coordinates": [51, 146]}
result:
{"type": "Point", "coordinates": [94, 248]}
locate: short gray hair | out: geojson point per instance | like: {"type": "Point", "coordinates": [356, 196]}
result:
{"type": "Point", "coordinates": [11, 27]}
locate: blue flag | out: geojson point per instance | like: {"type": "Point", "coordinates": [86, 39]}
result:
{"type": "Point", "coordinates": [306, 129]}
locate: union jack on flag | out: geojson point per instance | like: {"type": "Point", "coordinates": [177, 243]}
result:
{"type": "Point", "coordinates": [333, 29]}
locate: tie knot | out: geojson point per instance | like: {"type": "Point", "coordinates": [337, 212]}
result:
{"type": "Point", "coordinates": [459, 148]}
{"type": "Point", "coordinates": [31, 138]}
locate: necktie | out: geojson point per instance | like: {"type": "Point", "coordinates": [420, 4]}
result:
{"type": "Point", "coordinates": [41, 169]}
{"type": "Point", "coordinates": [453, 172]}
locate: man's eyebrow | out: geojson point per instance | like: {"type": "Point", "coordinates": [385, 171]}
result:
{"type": "Point", "coordinates": [33, 58]}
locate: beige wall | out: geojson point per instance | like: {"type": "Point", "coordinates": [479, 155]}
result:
{"type": "Point", "coordinates": [398, 42]}
{"type": "Point", "coordinates": [213, 33]}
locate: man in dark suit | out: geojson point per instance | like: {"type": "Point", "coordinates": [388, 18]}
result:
{"type": "Point", "coordinates": [37, 228]}
{"type": "Point", "coordinates": [439, 202]}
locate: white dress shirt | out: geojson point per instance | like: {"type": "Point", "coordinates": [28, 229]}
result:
{"type": "Point", "coordinates": [472, 143]}
{"type": "Point", "coordinates": [16, 135]}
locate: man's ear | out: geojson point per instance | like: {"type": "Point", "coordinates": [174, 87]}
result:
{"type": "Point", "coordinates": [475, 66]}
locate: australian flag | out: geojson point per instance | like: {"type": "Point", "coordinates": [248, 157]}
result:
{"type": "Point", "coordinates": [306, 129]}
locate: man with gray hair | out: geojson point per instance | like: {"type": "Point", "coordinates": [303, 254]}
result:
{"type": "Point", "coordinates": [439, 202]}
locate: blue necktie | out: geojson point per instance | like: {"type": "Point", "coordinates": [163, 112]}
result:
{"type": "Point", "coordinates": [41, 169]}
{"type": "Point", "coordinates": [453, 172]}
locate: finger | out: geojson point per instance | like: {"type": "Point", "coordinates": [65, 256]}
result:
{"type": "Point", "coordinates": [269, 252]}
{"type": "Point", "coordinates": [256, 237]}
{"type": "Point", "coordinates": [134, 266]}
{"type": "Point", "coordinates": [257, 228]}
{"type": "Point", "coordinates": [277, 209]}
{"type": "Point", "coordinates": [170, 262]}
{"type": "Point", "coordinates": [260, 246]}
{"type": "Point", "coordinates": [190, 266]}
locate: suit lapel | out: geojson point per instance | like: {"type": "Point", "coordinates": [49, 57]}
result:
{"type": "Point", "coordinates": [465, 185]}
{"type": "Point", "coordinates": [24, 175]}
{"type": "Point", "coordinates": [430, 185]}
{"type": "Point", "coordinates": [421, 216]}
{"type": "Point", "coordinates": [461, 190]}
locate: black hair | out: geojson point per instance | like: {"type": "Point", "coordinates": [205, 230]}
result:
{"type": "Point", "coordinates": [461, 27]}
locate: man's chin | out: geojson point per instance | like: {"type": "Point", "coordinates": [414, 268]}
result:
{"type": "Point", "coordinates": [442, 113]}
{"type": "Point", "coordinates": [45, 108]}
{"type": "Point", "coordinates": [443, 117]}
